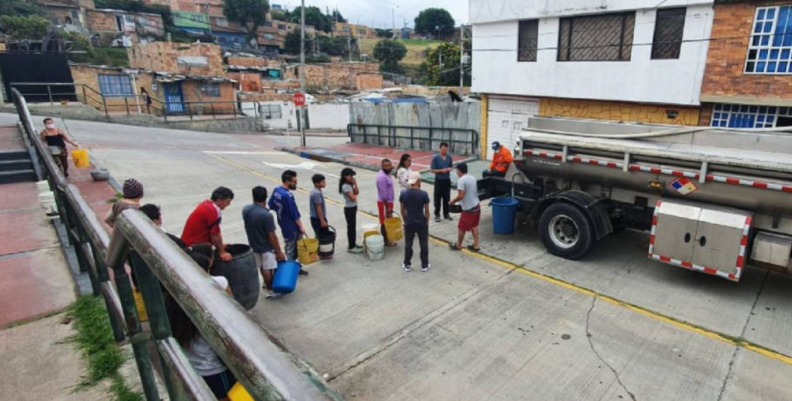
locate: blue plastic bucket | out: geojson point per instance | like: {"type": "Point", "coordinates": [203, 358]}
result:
{"type": "Point", "coordinates": [285, 280]}
{"type": "Point", "coordinates": [504, 212]}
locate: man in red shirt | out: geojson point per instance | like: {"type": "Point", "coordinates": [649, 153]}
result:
{"type": "Point", "coordinates": [203, 225]}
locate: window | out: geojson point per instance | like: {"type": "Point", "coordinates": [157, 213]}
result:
{"type": "Point", "coordinates": [270, 111]}
{"type": "Point", "coordinates": [771, 43]}
{"type": "Point", "coordinates": [743, 116]}
{"type": "Point", "coordinates": [210, 89]}
{"type": "Point", "coordinates": [222, 40]}
{"type": "Point", "coordinates": [75, 14]}
{"type": "Point", "coordinates": [669, 27]}
{"type": "Point", "coordinates": [270, 36]}
{"type": "Point", "coordinates": [221, 22]}
{"type": "Point", "coordinates": [596, 38]}
{"type": "Point", "coordinates": [115, 85]}
{"type": "Point", "coordinates": [527, 42]}
{"type": "Point", "coordinates": [268, 23]}
{"type": "Point", "coordinates": [282, 26]}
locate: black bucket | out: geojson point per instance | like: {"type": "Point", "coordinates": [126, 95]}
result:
{"type": "Point", "coordinates": [327, 243]}
{"type": "Point", "coordinates": [241, 273]}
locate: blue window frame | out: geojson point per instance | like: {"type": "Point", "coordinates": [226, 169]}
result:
{"type": "Point", "coordinates": [771, 42]}
{"type": "Point", "coordinates": [115, 85]}
{"type": "Point", "coordinates": [743, 116]}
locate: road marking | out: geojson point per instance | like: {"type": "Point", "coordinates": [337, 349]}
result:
{"type": "Point", "coordinates": [738, 342]}
{"type": "Point", "coordinates": [235, 152]}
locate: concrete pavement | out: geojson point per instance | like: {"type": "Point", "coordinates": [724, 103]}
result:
{"type": "Point", "coordinates": [527, 326]}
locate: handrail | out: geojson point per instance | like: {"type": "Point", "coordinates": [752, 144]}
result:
{"type": "Point", "coordinates": [359, 129]}
{"type": "Point", "coordinates": [267, 371]}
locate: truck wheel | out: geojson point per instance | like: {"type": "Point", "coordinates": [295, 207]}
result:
{"type": "Point", "coordinates": [566, 231]}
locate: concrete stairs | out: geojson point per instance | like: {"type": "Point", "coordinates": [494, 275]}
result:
{"type": "Point", "coordinates": [16, 166]}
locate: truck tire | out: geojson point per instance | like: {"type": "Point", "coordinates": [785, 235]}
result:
{"type": "Point", "coordinates": [566, 231]}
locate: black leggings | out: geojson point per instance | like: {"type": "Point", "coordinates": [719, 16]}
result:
{"type": "Point", "coordinates": [351, 219]}
{"type": "Point", "coordinates": [221, 383]}
{"type": "Point", "coordinates": [442, 196]}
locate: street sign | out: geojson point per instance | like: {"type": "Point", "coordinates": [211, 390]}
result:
{"type": "Point", "coordinates": [298, 99]}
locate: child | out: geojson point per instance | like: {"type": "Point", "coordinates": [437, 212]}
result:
{"type": "Point", "coordinates": [348, 187]}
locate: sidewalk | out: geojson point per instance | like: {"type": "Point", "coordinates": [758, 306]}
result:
{"type": "Point", "coordinates": [368, 157]}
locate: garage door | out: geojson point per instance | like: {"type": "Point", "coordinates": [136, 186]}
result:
{"type": "Point", "coordinates": [507, 118]}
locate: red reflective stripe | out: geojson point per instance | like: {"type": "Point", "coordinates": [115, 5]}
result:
{"type": "Point", "coordinates": [635, 168]}
{"type": "Point", "coordinates": [710, 177]}
{"type": "Point", "coordinates": [786, 189]}
{"type": "Point", "coordinates": [577, 159]}
{"type": "Point", "coordinates": [740, 261]}
{"type": "Point", "coordinates": [748, 220]}
{"type": "Point", "coordinates": [710, 270]}
{"type": "Point", "coordinates": [762, 185]}
{"type": "Point", "coordinates": [559, 157]}
{"type": "Point", "coordinates": [733, 181]}
{"type": "Point", "coordinates": [744, 240]}
{"type": "Point", "coordinates": [665, 259]}
{"type": "Point", "coordinates": [731, 276]}
{"type": "Point", "coordinates": [652, 240]}
{"type": "Point", "coordinates": [687, 264]}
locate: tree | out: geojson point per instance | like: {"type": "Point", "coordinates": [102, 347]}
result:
{"type": "Point", "coordinates": [19, 8]}
{"type": "Point", "coordinates": [313, 17]}
{"type": "Point", "coordinates": [249, 13]}
{"type": "Point", "coordinates": [434, 21]}
{"type": "Point", "coordinates": [446, 74]}
{"type": "Point", "coordinates": [389, 53]}
{"type": "Point", "coordinates": [338, 46]}
{"type": "Point", "coordinates": [384, 33]}
{"type": "Point", "coordinates": [25, 27]}
{"type": "Point", "coordinates": [278, 15]}
{"type": "Point", "coordinates": [291, 43]}
{"type": "Point", "coordinates": [336, 16]}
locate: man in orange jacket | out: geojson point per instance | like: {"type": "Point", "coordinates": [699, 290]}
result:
{"type": "Point", "coordinates": [501, 160]}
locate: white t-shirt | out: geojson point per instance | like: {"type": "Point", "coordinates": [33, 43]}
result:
{"type": "Point", "coordinates": [403, 174]}
{"type": "Point", "coordinates": [468, 184]}
{"type": "Point", "coordinates": [200, 354]}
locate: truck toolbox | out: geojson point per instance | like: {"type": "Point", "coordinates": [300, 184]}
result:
{"type": "Point", "coordinates": [697, 236]}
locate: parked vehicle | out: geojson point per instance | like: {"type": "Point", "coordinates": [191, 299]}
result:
{"type": "Point", "coordinates": [709, 209]}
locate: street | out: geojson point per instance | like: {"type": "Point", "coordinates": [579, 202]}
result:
{"type": "Point", "coordinates": [511, 323]}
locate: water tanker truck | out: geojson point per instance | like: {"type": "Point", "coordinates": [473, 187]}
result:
{"type": "Point", "coordinates": [709, 209]}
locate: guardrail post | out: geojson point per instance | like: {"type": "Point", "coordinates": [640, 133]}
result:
{"type": "Point", "coordinates": [126, 103]}
{"type": "Point", "coordinates": [117, 254]}
{"type": "Point", "coordinates": [85, 96]}
{"type": "Point", "coordinates": [214, 115]}
{"type": "Point", "coordinates": [189, 110]}
{"type": "Point", "coordinates": [85, 244]}
{"type": "Point", "coordinates": [104, 103]}
{"type": "Point", "coordinates": [104, 277]}
{"type": "Point", "coordinates": [49, 92]}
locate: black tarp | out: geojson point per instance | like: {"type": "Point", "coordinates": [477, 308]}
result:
{"type": "Point", "coordinates": [39, 68]}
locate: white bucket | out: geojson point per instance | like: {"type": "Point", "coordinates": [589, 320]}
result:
{"type": "Point", "coordinates": [375, 247]}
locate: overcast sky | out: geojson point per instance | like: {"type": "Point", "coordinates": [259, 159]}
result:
{"type": "Point", "coordinates": [377, 13]}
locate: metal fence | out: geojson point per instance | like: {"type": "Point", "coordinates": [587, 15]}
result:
{"type": "Point", "coordinates": [132, 104]}
{"type": "Point", "coordinates": [426, 138]}
{"type": "Point", "coordinates": [267, 371]}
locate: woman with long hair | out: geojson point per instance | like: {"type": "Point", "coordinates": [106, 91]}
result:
{"type": "Point", "coordinates": [348, 188]}
{"type": "Point", "coordinates": [404, 170]}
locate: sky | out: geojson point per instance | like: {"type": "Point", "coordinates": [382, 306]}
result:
{"type": "Point", "coordinates": [380, 13]}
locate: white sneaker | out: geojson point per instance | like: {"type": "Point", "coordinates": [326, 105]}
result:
{"type": "Point", "coordinates": [407, 268]}
{"type": "Point", "coordinates": [356, 250]}
{"type": "Point", "coordinates": [426, 268]}
{"type": "Point", "coordinates": [272, 295]}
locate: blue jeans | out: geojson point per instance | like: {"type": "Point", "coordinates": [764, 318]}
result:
{"type": "Point", "coordinates": [290, 247]}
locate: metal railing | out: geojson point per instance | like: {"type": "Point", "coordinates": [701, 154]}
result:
{"type": "Point", "coordinates": [133, 104]}
{"type": "Point", "coordinates": [386, 135]}
{"type": "Point", "coordinates": [267, 371]}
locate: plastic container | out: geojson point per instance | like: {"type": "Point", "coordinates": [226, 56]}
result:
{"type": "Point", "coordinates": [285, 280]}
{"type": "Point", "coordinates": [327, 244]}
{"type": "Point", "coordinates": [307, 250]}
{"type": "Point", "coordinates": [375, 247]}
{"type": "Point", "coordinates": [393, 227]}
{"type": "Point", "coordinates": [81, 159]}
{"type": "Point", "coordinates": [140, 305]}
{"type": "Point", "coordinates": [241, 273]}
{"type": "Point", "coordinates": [504, 212]}
{"type": "Point", "coordinates": [239, 393]}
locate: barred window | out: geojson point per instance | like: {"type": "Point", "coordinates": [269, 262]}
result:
{"type": "Point", "coordinates": [745, 116]}
{"type": "Point", "coordinates": [528, 40]}
{"type": "Point", "coordinates": [771, 42]}
{"type": "Point", "coordinates": [597, 38]}
{"type": "Point", "coordinates": [210, 89]}
{"type": "Point", "coordinates": [114, 85]}
{"type": "Point", "coordinates": [669, 28]}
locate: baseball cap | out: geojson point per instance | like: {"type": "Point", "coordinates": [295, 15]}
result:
{"type": "Point", "coordinates": [414, 177]}
{"type": "Point", "coordinates": [495, 145]}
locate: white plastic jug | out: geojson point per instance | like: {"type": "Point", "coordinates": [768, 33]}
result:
{"type": "Point", "coordinates": [375, 247]}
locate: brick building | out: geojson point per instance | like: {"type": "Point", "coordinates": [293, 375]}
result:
{"type": "Point", "coordinates": [66, 12]}
{"type": "Point", "coordinates": [178, 58]}
{"type": "Point", "coordinates": [357, 31]}
{"type": "Point", "coordinates": [332, 76]}
{"type": "Point", "coordinates": [123, 28]}
{"type": "Point", "coordinates": [748, 78]}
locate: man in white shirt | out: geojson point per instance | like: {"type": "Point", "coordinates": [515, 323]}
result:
{"type": "Point", "coordinates": [467, 197]}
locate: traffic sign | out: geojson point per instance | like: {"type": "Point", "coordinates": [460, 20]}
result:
{"type": "Point", "coordinates": [298, 99]}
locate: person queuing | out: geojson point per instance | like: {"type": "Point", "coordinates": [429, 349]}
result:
{"type": "Point", "coordinates": [415, 211]}
{"type": "Point", "coordinates": [471, 209]}
{"type": "Point", "coordinates": [348, 188]}
{"type": "Point", "coordinates": [132, 193]}
{"type": "Point", "coordinates": [260, 230]}
{"type": "Point", "coordinates": [203, 224]}
{"type": "Point", "coordinates": [317, 206]}
{"type": "Point", "coordinates": [501, 160]}
{"type": "Point", "coordinates": [283, 204]}
{"type": "Point", "coordinates": [385, 197]}
{"type": "Point", "coordinates": [154, 213]}
{"type": "Point", "coordinates": [441, 166]}
{"type": "Point", "coordinates": [56, 139]}
{"type": "Point", "coordinates": [403, 171]}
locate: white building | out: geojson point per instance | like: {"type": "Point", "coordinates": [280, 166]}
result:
{"type": "Point", "coordinates": [623, 60]}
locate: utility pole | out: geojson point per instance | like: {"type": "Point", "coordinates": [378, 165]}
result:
{"type": "Point", "coordinates": [349, 47]}
{"type": "Point", "coordinates": [302, 72]}
{"type": "Point", "coordinates": [461, 57]}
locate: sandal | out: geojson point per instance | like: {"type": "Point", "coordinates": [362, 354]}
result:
{"type": "Point", "coordinates": [454, 247]}
{"type": "Point", "coordinates": [474, 249]}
